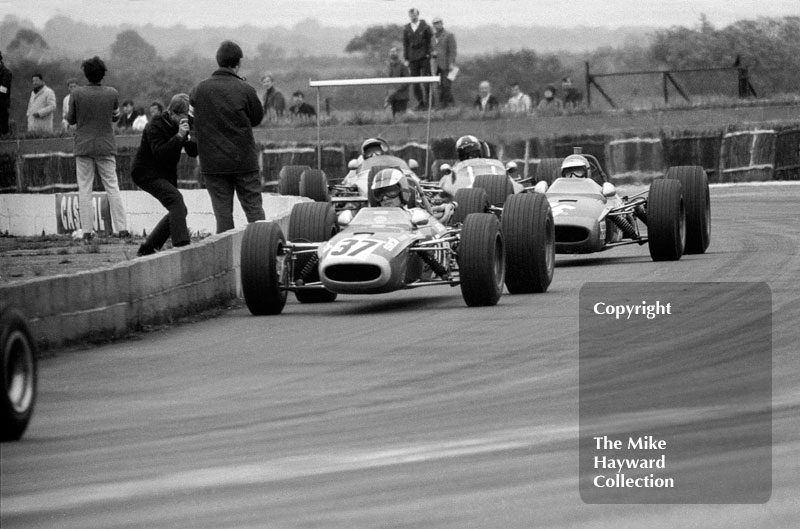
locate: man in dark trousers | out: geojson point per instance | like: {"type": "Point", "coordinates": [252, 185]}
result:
{"type": "Point", "coordinates": [225, 110]}
{"type": "Point", "coordinates": [398, 96]}
{"type": "Point", "coordinates": [5, 96]}
{"type": "Point", "coordinates": [444, 56]}
{"type": "Point", "coordinates": [155, 170]}
{"type": "Point", "coordinates": [417, 39]}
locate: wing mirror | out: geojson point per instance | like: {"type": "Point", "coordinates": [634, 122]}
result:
{"type": "Point", "coordinates": [609, 190]}
{"type": "Point", "coordinates": [540, 187]}
{"type": "Point", "coordinates": [419, 218]}
{"type": "Point", "coordinates": [345, 217]}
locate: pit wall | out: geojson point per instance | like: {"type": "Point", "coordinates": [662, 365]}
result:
{"type": "Point", "coordinates": [111, 302]}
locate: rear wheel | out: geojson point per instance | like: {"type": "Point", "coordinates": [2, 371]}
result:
{"type": "Point", "coordinates": [314, 185]}
{"type": "Point", "coordinates": [481, 260]}
{"type": "Point", "coordinates": [497, 187]}
{"type": "Point", "coordinates": [548, 170]}
{"type": "Point", "coordinates": [289, 179]}
{"type": "Point", "coordinates": [263, 270]}
{"type": "Point", "coordinates": [529, 236]}
{"type": "Point", "coordinates": [469, 200]}
{"type": "Point", "coordinates": [19, 374]}
{"type": "Point", "coordinates": [666, 220]}
{"type": "Point", "coordinates": [311, 222]}
{"type": "Point", "coordinates": [697, 200]}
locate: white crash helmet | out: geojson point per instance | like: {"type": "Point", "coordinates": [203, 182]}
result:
{"type": "Point", "coordinates": [511, 168]}
{"type": "Point", "coordinates": [374, 147]}
{"type": "Point", "coordinates": [468, 147]}
{"type": "Point", "coordinates": [445, 169]}
{"type": "Point", "coordinates": [352, 164]}
{"type": "Point", "coordinates": [387, 181]}
{"type": "Point", "coordinates": [575, 166]}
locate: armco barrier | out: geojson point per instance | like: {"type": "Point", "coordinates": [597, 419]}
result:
{"type": "Point", "coordinates": [748, 155]}
{"type": "Point", "coordinates": [635, 160]}
{"type": "Point", "coordinates": [111, 302]}
{"type": "Point", "coordinates": [692, 148]}
{"type": "Point", "coordinates": [787, 154]}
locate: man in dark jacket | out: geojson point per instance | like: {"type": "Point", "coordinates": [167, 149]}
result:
{"type": "Point", "coordinates": [398, 97]}
{"type": "Point", "coordinates": [5, 96]}
{"type": "Point", "coordinates": [417, 37]}
{"type": "Point", "coordinates": [155, 170]}
{"type": "Point", "coordinates": [226, 109]}
{"type": "Point", "coordinates": [274, 102]}
{"type": "Point", "coordinates": [444, 56]}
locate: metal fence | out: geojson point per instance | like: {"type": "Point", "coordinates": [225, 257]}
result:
{"type": "Point", "coordinates": [648, 87]}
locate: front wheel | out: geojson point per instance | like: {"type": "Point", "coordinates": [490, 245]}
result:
{"type": "Point", "coordinates": [311, 222]}
{"type": "Point", "coordinates": [263, 270]}
{"type": "Point", "coordinates": [529, 235]}
{"type": "Point", "coordinates": [481, 260]}
{"type": "Point", "coordinates": [666, 220]}
{"type": "Point", "coordinates": [19, 374]}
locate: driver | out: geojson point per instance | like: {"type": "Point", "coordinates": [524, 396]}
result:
{"type": "Point", "coordinates": [390, 188]}
{"type": "Point", "coordinates": [512, 170]}
{"type": "Point", "coordinates": [575, 166]}
{"type": "Point", "coordinates": [469, 147]}
{"type": "Point", "coordinates": [374, 147]}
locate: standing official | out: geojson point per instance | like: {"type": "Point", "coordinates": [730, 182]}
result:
{"type": "Point", "coordinates": [5, 96]}
{"type": "Point", "coordinates": [444, 58]}
{"type": "Point", "coordinates": [417, 39]}
{"type": "Point", "coordinates": [226, 109]}
{"type": "Point", "coordinates": [93, 109]}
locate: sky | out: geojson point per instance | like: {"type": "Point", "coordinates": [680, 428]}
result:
{"type": "Point", "coordinates": [464, 13]}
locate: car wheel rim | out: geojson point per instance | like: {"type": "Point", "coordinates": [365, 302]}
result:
{"type": "Point", "coordinates": [19, 371]}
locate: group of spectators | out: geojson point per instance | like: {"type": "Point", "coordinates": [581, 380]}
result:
{"type": "Point", "coordinates": [214, 121]}
{"type": "Point", "coordinates": [521, 103]}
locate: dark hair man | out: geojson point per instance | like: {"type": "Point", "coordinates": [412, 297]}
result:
{"type": "Point", "coordinates": [93, 109]}
{"type": "Point", "coordinates": [225, 110]}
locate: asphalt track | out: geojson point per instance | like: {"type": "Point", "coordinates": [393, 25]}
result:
{"type": "Point", "coordinates": [406, 410]}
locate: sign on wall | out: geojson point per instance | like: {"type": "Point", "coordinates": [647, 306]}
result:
{"type": "Point", "coordinates": [68, 218]}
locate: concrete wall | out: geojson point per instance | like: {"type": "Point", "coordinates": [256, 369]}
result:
{"type": "Point", "coordinates": [113, 301]}
{"type": "Point", "coordinates": [32, 214]}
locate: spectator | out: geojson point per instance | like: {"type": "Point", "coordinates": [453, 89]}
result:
{"type": "Point", "coordinates": [417, 39]}
{"type": "Point", "coordinates": [141, 120]}
{"type": "Point", "coordinates": [274, 102]}
{"type": "Point", "coordinates": [128, 115]}
{"type": "Point", "coordinates": [155, 170]}
{"type": "Point", "coordinates": [550, 105]}
{"type": "Point", "coordinates": [444, 58]}
{"type": "Point", "coordinates": [226, 109]}
{"type": "Point", "coordinates": [156, 108]}
{"type": "Point", "coordinates": [572, 96]}
{"type": "Point", "coordinates": [398, 98]}
{"type": "Point", "coordinates": [72, 84]}
{"type": "Point", "coordinates": [485, 100]}
{"type": "Point", "coordinates": [301, 109]}
{"type": "Point", "coordinates": [93, 109]}
{"type": "Point", "coordinates": [5, 95]}
{"type": "Point", "coordinates": [41, 106]}
{"type": "Point", "coordinates": [518, 103]}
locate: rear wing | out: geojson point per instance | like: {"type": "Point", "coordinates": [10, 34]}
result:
{"type": "Point", "coordinates": [376, 81]}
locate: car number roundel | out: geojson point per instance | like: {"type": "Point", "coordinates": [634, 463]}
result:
{"type": "Point", "coordinates": [354, 247]}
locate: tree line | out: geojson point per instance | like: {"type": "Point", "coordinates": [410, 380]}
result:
{"type": "Point", "coordinates": [769, 47]}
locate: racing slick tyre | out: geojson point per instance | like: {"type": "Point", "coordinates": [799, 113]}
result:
{"type": "Point", "coordinates": [548, 170]}
{"type": "Point", "coordinates": [497, 187]}
{"type": "Point", "coordinates": [311, 222]}
{"type": "Point", "coordinates": [666, 220]}
{"type": "Point", "coordinates": [314, 185]}
{"type": "Point", "coordinates": [697, 200]}
{"type": "Point", "coordinates": [530, 240]}
{"type": "Point", "coordinates": [263, 270]}
{"type": "Point", "coordinates": [481, 260]}
{"type": "Point", "coordinates": [289, 179]}
{"type": "Point", "coordinates": [19, 373]}
{"type": "Point", "coordinates": [469, 200]}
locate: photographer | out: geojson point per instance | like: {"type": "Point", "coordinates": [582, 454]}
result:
{"type": "Point", "coordinates": [155, 170]}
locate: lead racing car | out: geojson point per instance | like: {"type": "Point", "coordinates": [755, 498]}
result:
{"type": "Point", "coordinates": [382, 249]}
{"type": "Point", "coordinates": [590, 217]}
